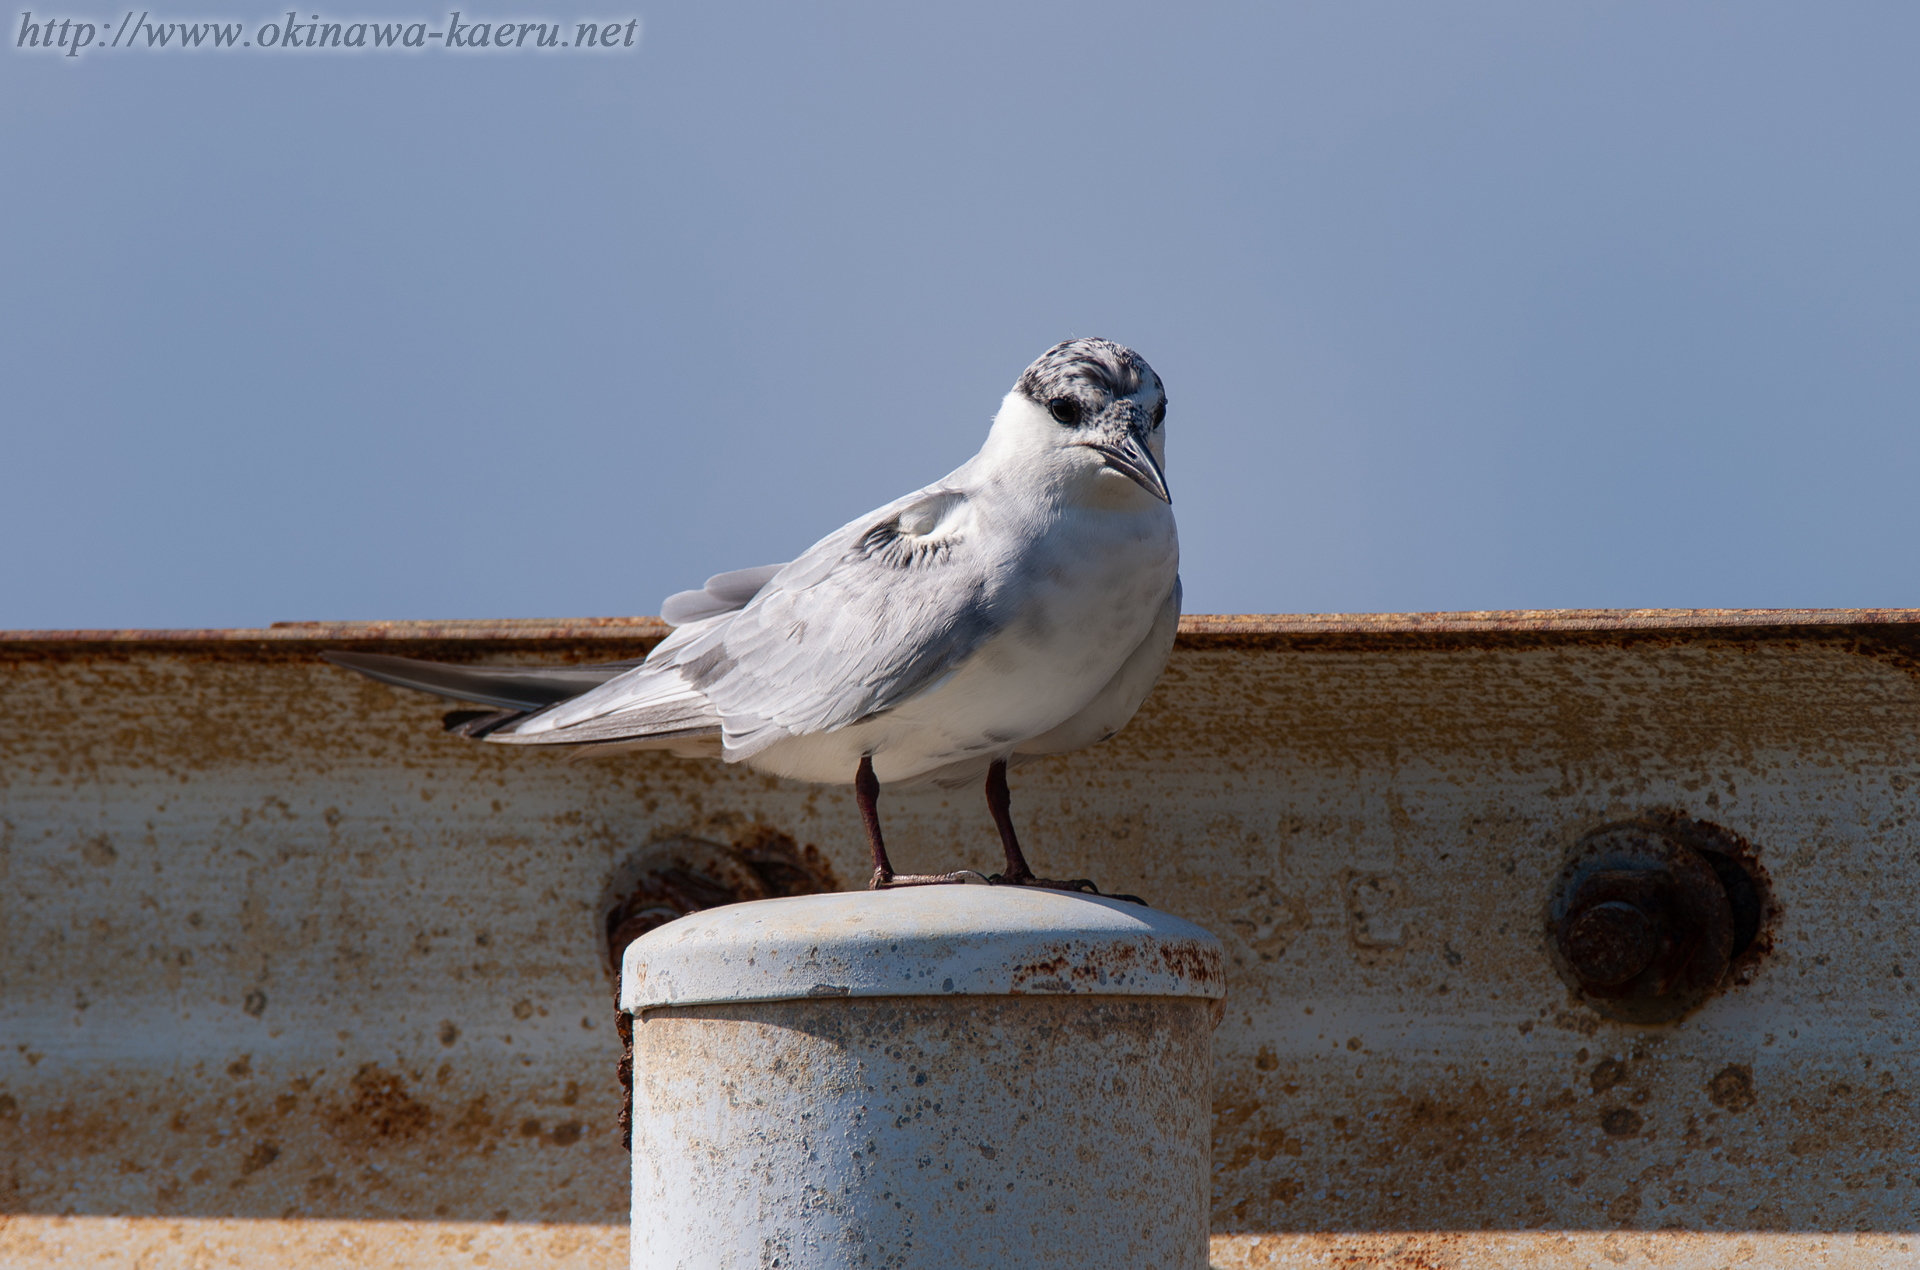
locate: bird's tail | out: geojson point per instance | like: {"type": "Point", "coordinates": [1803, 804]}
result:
{"type": "Point", "coordinates": [512, 692]}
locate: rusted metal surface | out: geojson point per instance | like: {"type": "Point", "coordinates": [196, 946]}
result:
{"type": "Point", "coordinates": [924, 1131]}
{"type": "Point", "coordinates": [282, 963]}
{"type": "Point", "coordinates": [967, 1076]}
{"type": "Point", "coordinates": [975, 1132]}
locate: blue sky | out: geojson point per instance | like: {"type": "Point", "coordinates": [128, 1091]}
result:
{"type": "Point", "coordinates": [1459, 306]}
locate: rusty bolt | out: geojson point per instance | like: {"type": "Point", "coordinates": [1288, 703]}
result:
{"type": "Point", "coordinates": [1640, 925]}
{"type": "Point", "coordinates": [1609, 943]}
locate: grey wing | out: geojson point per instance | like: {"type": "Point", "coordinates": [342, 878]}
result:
{"type": "Point", "coordinates": [861, 621]}
{"type": "Point", "coordinates": [522, 692]}
{"type": "Point", "coordinates": [531, 688]}
{"type": "Point", "coordinates": [723, 593]}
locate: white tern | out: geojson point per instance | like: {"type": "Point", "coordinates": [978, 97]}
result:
{"type": "Point", "coordinates": [1023, 605]}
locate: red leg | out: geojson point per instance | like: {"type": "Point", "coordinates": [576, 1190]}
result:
{"type": "Point", "coordinates": [866, 791]}
{"type": "Point", "coordinates": [1000, 803]}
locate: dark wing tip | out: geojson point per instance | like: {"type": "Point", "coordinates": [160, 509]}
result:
{"type": "Point", "coordinates": [476, 724]}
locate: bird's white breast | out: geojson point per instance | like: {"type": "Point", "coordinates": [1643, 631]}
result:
{"type": "Point", "coordinates": [1075, 595]}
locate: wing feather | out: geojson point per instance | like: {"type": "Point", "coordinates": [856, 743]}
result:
{"type": "Point", "coordinates": [850, 628]}
{"type": "Point", "coordinates": [723, 593]}
{"type": "Point", "coordinates": [504, 687]}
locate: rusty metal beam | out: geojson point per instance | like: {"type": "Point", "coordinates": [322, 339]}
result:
{"type": "Point", "coordinates": [282, 966]}
{"type": "Point", "coordinates": [1193, 626]}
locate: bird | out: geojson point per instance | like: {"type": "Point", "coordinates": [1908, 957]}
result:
{"type": "Point", "coordinates": [1022, 606]}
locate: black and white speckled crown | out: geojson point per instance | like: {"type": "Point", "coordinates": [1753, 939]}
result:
{"type": "Point", "coordinates": [1114, 368]}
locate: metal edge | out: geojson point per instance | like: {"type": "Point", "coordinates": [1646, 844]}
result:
{"type": "Point", "coordinates": [920, 942]}
{"type": "Point", "coordinates": [1195, 629]}
{"type": "Point", "coordinates": [357, 632]}
{"type": "Point", "coordinates": [1021, 981]}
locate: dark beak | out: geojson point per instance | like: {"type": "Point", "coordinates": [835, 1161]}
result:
{"type": "Point", "coordinates": [1129, 456]}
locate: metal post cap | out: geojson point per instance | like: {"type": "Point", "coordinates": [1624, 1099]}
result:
{"type": "Point", "coordinates": [921, 941]}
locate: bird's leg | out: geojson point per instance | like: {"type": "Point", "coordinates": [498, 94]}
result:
{"type": "Point", "coordinates": [866, 791]}
{"type": "Point", "coordinates": [1000, 803]}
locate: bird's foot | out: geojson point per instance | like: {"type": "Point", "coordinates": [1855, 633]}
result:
{"type": "Point", "coordinates": [1083, 886]}
{"type": "Point", "coordinates": [885, 880]}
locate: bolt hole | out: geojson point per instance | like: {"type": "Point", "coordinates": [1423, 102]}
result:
{"type": "Point", "coordinates": [1743, 895]}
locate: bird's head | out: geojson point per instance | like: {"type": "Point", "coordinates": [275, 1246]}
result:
{"type": "Point", "coordinates": [1093, 411]}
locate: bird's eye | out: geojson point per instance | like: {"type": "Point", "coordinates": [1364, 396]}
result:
{"type": "Point", "coordinates": [1065, 409]}
{"type": "Point", "coordinates": [1159, 414]}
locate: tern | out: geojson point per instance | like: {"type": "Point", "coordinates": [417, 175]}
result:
{"type": "Point", "coordinates": [1023, 606]}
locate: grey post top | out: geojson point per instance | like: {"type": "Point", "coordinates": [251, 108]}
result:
{"type": "Point", "coordinates": [921, 941]}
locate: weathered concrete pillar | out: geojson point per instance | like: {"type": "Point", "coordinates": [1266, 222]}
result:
{"type": "Point", "coordinates": [955, 1076]}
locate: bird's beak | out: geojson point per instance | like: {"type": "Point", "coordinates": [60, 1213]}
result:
{"type": "Point", "coordinates": [1127, 454]}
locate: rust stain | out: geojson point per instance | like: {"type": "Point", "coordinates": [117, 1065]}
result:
{"type": "Point", "coordinates": [382, 1107]}
{"type": "Point", "coordinates": [186, 1243]}
{"type": "Point", "coordinates": [1194, 962]}
{"type": "Point", "coordinates": [1731, 1088]}
{"type": "Point", "coordinates": [1072, 967]}
{"type": "Point", "coordinates": [474, 1127]}
{"type": "Point", "coordinates": [1050, 975]}
{"type": "Point", "coordinates": [263, 1154]}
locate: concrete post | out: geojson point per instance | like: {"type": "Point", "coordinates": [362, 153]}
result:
{"type": "Point", "coordinates": [953, 1076]}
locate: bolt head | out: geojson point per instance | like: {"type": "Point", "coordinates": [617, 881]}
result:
{"type": "Point", "coordinates": [1640, 926]}
{"type": "Point", "coordinates": [1609, 943]}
